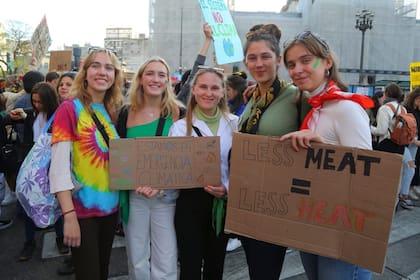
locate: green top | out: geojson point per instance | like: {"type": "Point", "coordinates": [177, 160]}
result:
{"type": "Point", "coordinates": [282, 115]}
{"type": "Point", "coordinates": [149, 129]}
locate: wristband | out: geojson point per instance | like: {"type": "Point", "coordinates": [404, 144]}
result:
{"type": "Point", "coordinates": [68, 212]}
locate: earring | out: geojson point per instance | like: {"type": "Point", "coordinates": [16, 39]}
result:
{"type": "Point", "coordinates": [327, 72]}
{"type": "Point", "coordinates": [85, 84]}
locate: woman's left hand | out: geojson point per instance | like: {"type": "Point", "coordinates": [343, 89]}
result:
{"type": "Point", "coordinates": [217, 191]}
{"type": "Point", "coordinates": [301, 138]}
{"type": "Point", "coordinates": [147, 191]}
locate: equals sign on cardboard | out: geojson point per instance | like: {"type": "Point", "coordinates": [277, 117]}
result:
{"type": "Point", "coordinates": [300, 186]}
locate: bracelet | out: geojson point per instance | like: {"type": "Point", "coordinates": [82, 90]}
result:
{"type": "Point", "coordinates": [68, 212]}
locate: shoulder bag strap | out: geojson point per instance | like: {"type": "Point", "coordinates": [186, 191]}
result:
{"type": "Point", "coordinates": [101, 128]}
{"type": "Point", "coordinates": [161, 124]}
{"type": "Point", "coordinates": [197, 131]}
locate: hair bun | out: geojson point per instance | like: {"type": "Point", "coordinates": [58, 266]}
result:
{"type": "Point", "coordinates": [241, 74]}
{"type": "Point", "coordinates": [269, 28]}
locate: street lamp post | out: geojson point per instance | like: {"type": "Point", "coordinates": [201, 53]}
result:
{"type": "Point", "coordinates": [363, 22]}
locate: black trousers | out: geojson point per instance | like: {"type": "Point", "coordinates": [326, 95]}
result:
{"type": "Point", "coordinates": [387, 145]}
{"type": "Point", "coordinates": [265, 260]}
{"type": "Point", "coordinates": [201, 252]}
{"type": "Point", "coordinates": [91, 259]}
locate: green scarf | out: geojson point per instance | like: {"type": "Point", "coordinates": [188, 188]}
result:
{"type": "Point", "coordinates": [218, 209]}
{"type": "Point", "coordinates": [124, 205]}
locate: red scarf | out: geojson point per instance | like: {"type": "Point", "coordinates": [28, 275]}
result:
{"type": "Point", "coordinates": [332, 92]}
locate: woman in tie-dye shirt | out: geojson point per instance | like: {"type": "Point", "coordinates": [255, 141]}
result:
{"type": "Point", "coordinates": [79, 168]}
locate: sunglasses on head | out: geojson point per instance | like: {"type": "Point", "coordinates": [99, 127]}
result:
{"type": "Point", "coordinates": [98, 49]}
{"type": "Point", "coordinates": [221, 70]}
{"type": "Point", "coordinates": [307, 34]}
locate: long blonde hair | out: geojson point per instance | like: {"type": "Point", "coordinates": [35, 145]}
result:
{"type": "Point", "coordinates": [113, 95]}
{"type": "Point", "coordinates": [192, 103]}
{"type": "Point", "coordinates": [169, 103]}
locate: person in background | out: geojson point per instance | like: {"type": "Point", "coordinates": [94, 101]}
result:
{"type": "Point", "coordinates": [235, 86]}
{"type": "Point", "coordinates": [385, 121]}
{"type": "Point", "coordinates": [273, 109]}
{"type": "Point", "coordinates": [24, 133]}
{"type": "Point", "coordinates": [4, 223]}
{"type": "Point", "coordinates": [199, 232]}
{"type": "Point", "coordinates": [378, 99]}
{"type": "Point", "coordinates": [52, 79]}
{"type": "Point", "coordinates": [64, 85]}
{"type": "Point", "coordinates": [89, 206]}
{"type": "Point", "coordinates": [337, 117]}
{"type": "Point", "coordinates": [148, 213]}
{"type": "Point", "coordinates": [408, 180]}
{"type": "Point", "coordinates": [183, 90]}
{"type": "Point", "coordinates": [414, 107]}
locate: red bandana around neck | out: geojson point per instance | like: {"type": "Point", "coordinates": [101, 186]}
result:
{"type": "Point", "coordinates": [333, 92]}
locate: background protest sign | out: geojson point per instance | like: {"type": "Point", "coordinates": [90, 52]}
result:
{"type": "Point", "coordinates": [60, 61]}
{"type": "Point", "coordinates": [414, 75]}
{"type": "Point", "coordinates": [164, 162]}
{"type": "Point", "coordinates": [227, 44]}
{"type": "Point", "coordinates": [334, 201]}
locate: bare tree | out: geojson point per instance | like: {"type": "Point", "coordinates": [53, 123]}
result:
{"type": "Point", "coordinates": [18, 39]}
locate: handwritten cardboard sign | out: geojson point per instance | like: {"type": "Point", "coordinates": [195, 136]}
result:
{"type": "Point", "coordinates": [329, 200]}
{"type": "Point", "coordinates": [227, 44]}
{"type": "Point", "coordinates": [60, 60]}
{"type": "Point", "coordinates": [164, 162]}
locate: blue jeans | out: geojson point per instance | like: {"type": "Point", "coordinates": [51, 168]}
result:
{"type": "Point", "coordinates": [407, 171]}
{"type": "Point", "coordinates": [323, 268]}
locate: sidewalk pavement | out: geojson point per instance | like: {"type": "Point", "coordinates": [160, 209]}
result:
{"type": "Point", "coordinates": [402, 261]}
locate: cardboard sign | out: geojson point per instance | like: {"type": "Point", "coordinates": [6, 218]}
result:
{"type": "Point", "coordinates": [164, 162]}
{"type": "Point", "coordinates": [329, 200]}
{"type": "Point", "coordinates": [60, 61]}
{"type": "Point", "coordinates": [227, 44]}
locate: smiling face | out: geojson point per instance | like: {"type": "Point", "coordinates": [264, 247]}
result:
{"type": "Point", "coordinates": [154, 79]}
{"type": "Point", "coordinates": [262, 62]}
{"type": "Point", "coordinates": [207, 91]}
{"type": "Point", "coordinates": [100, 74]}
{"type": "Point", "coordinates": [307, 71]}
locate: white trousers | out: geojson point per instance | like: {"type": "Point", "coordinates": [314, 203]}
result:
{"type": "Point", "coordinates": [150, 239]}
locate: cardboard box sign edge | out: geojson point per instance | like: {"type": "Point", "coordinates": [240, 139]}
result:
{"type": "Point", "coordinates": [233, 221]}
{"type": "Point", "coordinates": [209, 170]}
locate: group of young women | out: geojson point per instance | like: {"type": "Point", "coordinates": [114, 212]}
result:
{"type": "Point", "coordinates": [164, 227]}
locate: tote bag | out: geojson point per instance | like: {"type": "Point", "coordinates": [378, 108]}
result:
{"type": "Point", "coordinates": [32, 183]}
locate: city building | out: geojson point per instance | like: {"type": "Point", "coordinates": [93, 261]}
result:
{"type": "Point", "coordinates": [389, 47]}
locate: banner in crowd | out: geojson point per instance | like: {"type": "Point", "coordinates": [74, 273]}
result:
{"type": "Point", "coordinates": [164, 162]}
{"type": "Point", "coordinates": [414, 75]}
{"type": "Point", "coordinates": [40, 41]}
{"type": "Point", "coordinates": [227, 44]}
{"type": "Point", "coordinates": [329, 200]}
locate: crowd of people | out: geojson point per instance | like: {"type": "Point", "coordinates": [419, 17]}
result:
{"type": "Point", "coordinates": [179, 234]}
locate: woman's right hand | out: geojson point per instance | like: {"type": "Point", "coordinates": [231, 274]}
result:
{"type": "Point", "coordinates": [208, 32]}
{"type": "Point", "coordinates": [147, 191]}
{"type": "Point", "coordinates": [72, 236]}
{"type": "Point", "coordinates": [301, 138]}
{"type": "Point", "coordinates": [248, 93]}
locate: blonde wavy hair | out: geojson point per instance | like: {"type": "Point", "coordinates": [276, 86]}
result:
{"type": "Point", "coordinates": [113, 95]}
{"type": "Point", "coordinates": [169, 103]}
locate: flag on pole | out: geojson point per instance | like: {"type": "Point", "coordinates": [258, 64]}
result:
{"type": "Point", "coordinates": [40, 41]}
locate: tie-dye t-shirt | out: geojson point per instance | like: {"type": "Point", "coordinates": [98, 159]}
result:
{"type": "Point", "coordinates": [89, 157]}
